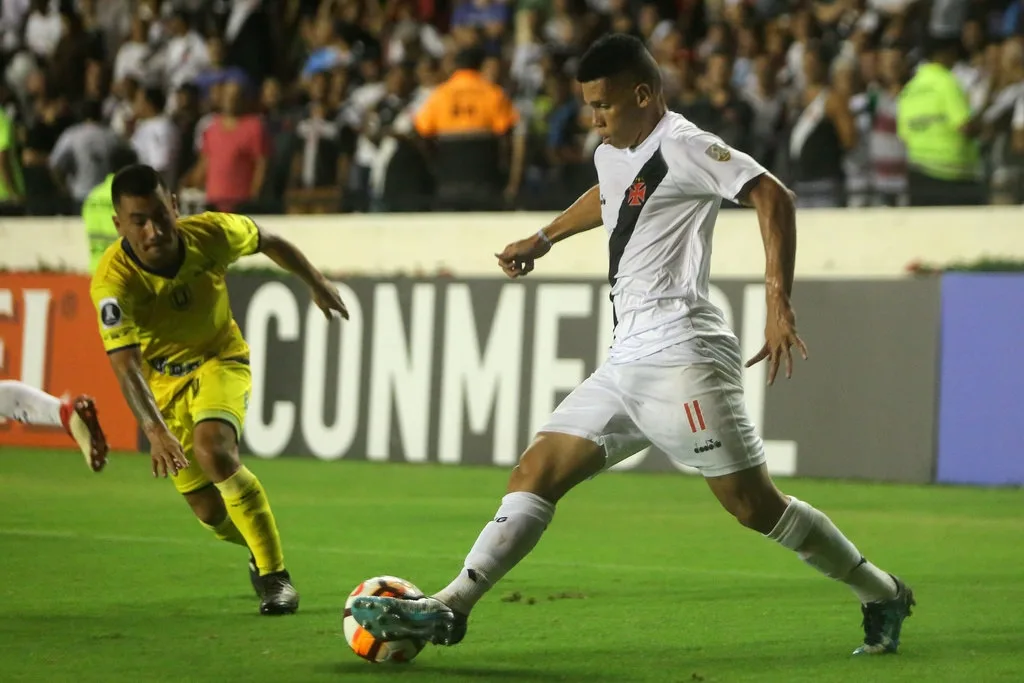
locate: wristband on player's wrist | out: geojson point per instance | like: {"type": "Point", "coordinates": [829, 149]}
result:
{"type": "Point", "coordinates": [544, 237]}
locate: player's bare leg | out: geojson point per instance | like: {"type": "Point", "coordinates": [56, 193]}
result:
{"type": "Point", "coordinates": [216, 450]}
{"type": "Point", "coordinates": [208, 506]}
{"type": "Point", "coordinates": [552, 465]}
{"type": "Point", "coordinates": [78, 417]}
{"type": "Point", "coordinates": [754, 500]}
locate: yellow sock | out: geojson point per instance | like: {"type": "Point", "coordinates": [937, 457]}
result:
{"type": "Point", "coordinates": [226, 531]}
{"type": "Point", "coordinates": [249, 509]}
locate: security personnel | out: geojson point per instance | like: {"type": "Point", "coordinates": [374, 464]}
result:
{"type": "Point", "coordinates": [98, 208]}
{"type": "Point", "coordinates": [934, 121]}
{"type": "Point", "coordinates": [469, 118]}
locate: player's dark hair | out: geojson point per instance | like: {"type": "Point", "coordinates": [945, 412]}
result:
{"type": "Point", "coordinates": [615, 54]}
{"type": "Point", "coordinates": [137, 180]}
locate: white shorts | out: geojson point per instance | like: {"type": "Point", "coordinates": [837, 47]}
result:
{"type": "Point", "coordinates": [694, 413]}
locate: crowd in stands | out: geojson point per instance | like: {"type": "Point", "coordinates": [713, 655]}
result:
{"type": "Point", "coordinates": [315, 106]}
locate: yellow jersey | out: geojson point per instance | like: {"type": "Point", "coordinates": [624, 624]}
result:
{"type": "Point", "coordinates": [181, 317]}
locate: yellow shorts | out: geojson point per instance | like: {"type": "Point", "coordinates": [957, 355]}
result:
{"type": "Point", "coordinates": [219, 390]}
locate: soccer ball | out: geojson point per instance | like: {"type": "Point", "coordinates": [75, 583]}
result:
{"type": "Point", "coordinates": [361, 641]}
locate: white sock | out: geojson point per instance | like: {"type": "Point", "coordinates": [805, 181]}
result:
{"type": "Point", "coordinates": [19, 401]}
{"type": "Point", "coordinates": [820, 544]}
{"type": "Point", "coordinates": [504, 542]}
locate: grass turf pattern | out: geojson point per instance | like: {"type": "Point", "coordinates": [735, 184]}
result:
{"type": "Point", "coordinates": [639, 578]}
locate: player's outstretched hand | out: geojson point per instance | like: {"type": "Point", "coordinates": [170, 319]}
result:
{"type": "Point", "coordinates": [327, 299]}
{"type": "Point", "coordinates": [516, 260]}
{"type": "Point", "coordinates": [167, 454]}
{"type": "Point", "coordinates": [780, 336]}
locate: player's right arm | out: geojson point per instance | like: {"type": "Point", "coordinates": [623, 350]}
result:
{"type": "Point", "coordinates": [517, 258]}
{"type": "Point", "coordinates": [121, 341]}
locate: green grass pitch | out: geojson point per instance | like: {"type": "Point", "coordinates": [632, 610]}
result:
{"type": "Point", "coordinates": [640, 578]}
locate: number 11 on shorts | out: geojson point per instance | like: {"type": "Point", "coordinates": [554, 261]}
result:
{"type": "Point", "coordinates": [694, 416]}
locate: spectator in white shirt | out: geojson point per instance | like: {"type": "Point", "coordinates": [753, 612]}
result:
{"type": "Point", "coordinates": [43, 29]}
{"type": "Point", "coordinates": [132, 55]}
{"type": "Point", "coordinates": [12, 13]}
{"type": "Point", "coordinates": [81, 157]}
{"type": "Point", "coordinates": [185, 54]}
{"type": "Point", "coordinates": [155, 139]}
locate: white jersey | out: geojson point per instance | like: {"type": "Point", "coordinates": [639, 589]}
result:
{"type": "Point", "coordinates": [659, 203]}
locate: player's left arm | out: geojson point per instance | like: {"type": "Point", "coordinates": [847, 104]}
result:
{"type": "Point", "coordinates": [704, 165]}
{"type": "Point", "coordinates": [776, 214]}
{"type": "Point", "coordinates": [241, 236]}
{"type": "Point", "coordinates": [288, 256]}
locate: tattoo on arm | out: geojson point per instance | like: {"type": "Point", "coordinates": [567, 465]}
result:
{"type": "Point", "coordinates": [128, 367]}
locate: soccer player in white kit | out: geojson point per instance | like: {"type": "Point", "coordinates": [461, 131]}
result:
{"type": "Point", "coordinates": [24, 403]}
{"type": "Point", "coordinates": [673, 375]}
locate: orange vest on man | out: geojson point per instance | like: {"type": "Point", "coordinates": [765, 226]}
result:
{"type": "Point", "coordinates": [468, 117]}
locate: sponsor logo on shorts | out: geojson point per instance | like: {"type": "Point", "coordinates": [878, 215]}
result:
{"type": "Point", "coordinates": [708, 445]}
{"type": "Point", "coordinates": [174, 369]}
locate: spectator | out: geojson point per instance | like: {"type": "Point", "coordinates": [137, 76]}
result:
{"type": "Point", "coordinates": [71, 56]}
{"type": "Point", "coordinates": [12, 19]}
{"type": "Point", "coordinates": [12, 185]}
{"type": "Point", "coordinates": [249, 40]}
{"type": "Point", "coordinates": [767, 102]}
{"type": "Point", "coordinates": [132, 55]}
{"type": "Point", "coordinates": [847, 86]}
{"type": "Point", "coordinates": [721, 110]}
{"type": "Point", "coordinates": [400, 177]}
{"type": "Point", "coordinates": [411, 38]}
{"type": "Point", "coordinates": [1006, 166]}
{"type": "Point", "coordinates": [487, 16]}
{"type": "Point", "coordinates": [233, 159]}
{"type": "Point", "coordinates": [279, 124]}
{"type": "Point", "coordinates": [216, 71]}
{"type": "Point", "coordinates": [361, 101]}
{"type": "Point", "coordinates": [560, 29]}
{"type": "Point", "coordinates": [155, 139]}
{"type": "Point", "coordinates": [94, 90]}
{"type": "Point", "coordinates": [184, 56]}
{"type": "Point", "coordinates": [821, 134]}
{"type": "Point", "coordinates": [469, 119]}
{"type": "Point", "coordinates": [119, 107]}
{"type": "Point", "coordinates": [82, 156]}
{"type": "Point", "coordinates": [98, 207]}
{"type": "Point", "coordinates": [936, 125]}
{"type": "Point", "coordinates": [50, 116]}
{"type": "Point", "coordinates": [319, 157]}
{"type": "Point", "coordinates": [527, 67]}
{"type": "Point", "coordinates": [329, 49]}
{"type": "Point", "coordinates": [887, 154]}
{"type": "Point", "coordinates": [737, 68]}
{"type": "Point", "coordinates": [186, 118]}
{"type": "Point", "coordinates": [44, 28]}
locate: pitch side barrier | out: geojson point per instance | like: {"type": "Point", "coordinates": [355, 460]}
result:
{"type": "Point", "coordinates": [455, 367]}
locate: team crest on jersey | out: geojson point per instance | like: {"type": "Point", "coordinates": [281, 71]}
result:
{"type": "Point", "coordinates": [181, 297]}
{"type": "Point", "coordinates": [110, 313]}
{"type": "Point", "coordinates": [718, 152]}
{"type": "Point", "coordinates": [636, 194]}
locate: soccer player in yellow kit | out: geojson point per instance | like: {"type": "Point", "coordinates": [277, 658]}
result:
{"type": "Point", "coordinates": [183, 364]}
